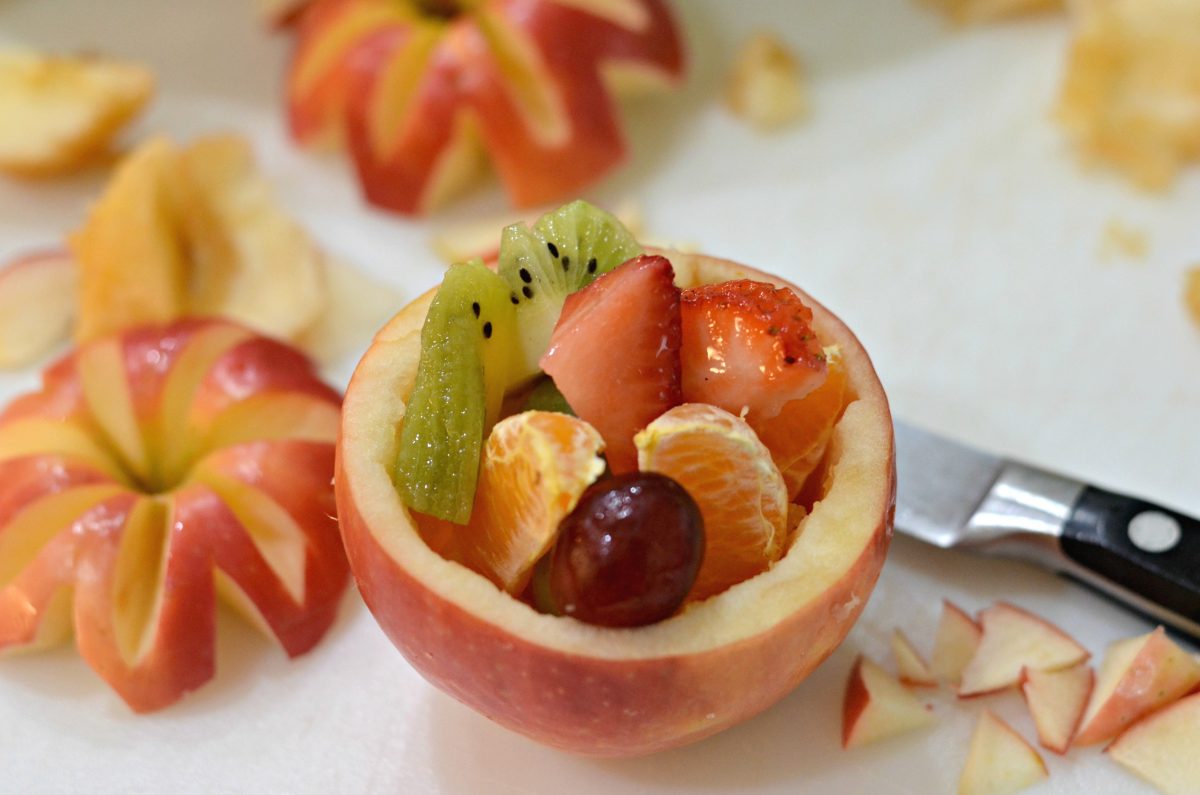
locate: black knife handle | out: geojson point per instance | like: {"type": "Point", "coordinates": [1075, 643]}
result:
{"type": "Point", "coordinates": [1139, 547]}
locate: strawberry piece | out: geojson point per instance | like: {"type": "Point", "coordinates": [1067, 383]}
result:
{"type": "Point", "coordinates": [614, 353]}
{"type": "Point", "coordinates": [748, 347]}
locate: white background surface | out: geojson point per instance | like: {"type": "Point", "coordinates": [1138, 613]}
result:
{"type": "Point", "coordinates": [930, 201]}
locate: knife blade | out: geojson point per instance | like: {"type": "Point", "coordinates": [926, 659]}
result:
{"type": "Point", "coordinates": [1142, 554]}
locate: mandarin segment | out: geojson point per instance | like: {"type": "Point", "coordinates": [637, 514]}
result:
{"type": "Point", "coordinates": [798, 435]}
{"type": "Point", "coordinates": [718, 458]}
{"type": "Point", "coordinates": [535, 467]}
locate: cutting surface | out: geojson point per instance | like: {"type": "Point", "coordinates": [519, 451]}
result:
{"type": "Point", "coordinates": [930, 201]}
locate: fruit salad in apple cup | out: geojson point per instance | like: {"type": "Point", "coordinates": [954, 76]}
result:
{"type": "Point", "coordinates": [153, 472]}
{"type": "Point", "coordinates": [616, 500]}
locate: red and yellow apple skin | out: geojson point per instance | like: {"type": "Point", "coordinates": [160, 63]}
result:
{"type": "Point", "coordinates": [615, 692]}
{"type": "Point", "coordinates": [153, 470]}
{"type": "Point", "coordinates": [415, 94]}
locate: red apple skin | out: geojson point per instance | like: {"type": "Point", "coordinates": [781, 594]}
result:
{"type": "Point", "coordinates": [202, 533]}
{"type": "Point", "coordinates": [463, 77]}
{"type": "Point", "coordinates": [602, 706]}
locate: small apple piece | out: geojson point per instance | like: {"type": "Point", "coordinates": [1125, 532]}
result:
{"type": "Point", "coordinates": [1056, 700]}
{"type": "Point", "coordinates": [876, 706]}
{"type": "Point", "coordinates": [955, 643]}
{"type": "Point", "coordinates": [912, 666]}
{"type": "Point", "coordinates": [1014, 639]}
{"type": "Point", "coordinates": [1000, 762]}
{"type": "Point", "coordinates": [1162, 748]}
{"type": "Point", "coordinates": [60, 112]}
{"type": "Point", "coordinates": [37, 305]}
{"type": "Point", "coordinates": [766, 86]}
{"type": "Point", "coordinates": [1138, 676]}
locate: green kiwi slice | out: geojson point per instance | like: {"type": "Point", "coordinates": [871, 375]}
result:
{"type": "Point", "coordinates": [467, 346]}
{"type": "Point", "coordinates": [563, 252]}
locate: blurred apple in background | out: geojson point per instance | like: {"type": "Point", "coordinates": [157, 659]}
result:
{"type": "Point", "coordinates": [422, 90]}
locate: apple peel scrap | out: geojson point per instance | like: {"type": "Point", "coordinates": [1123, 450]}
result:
{"type": "Point", "coordinates": [1131, 94]}
{"type": "Point", "coordinates": [102, 531]}
{"type": "Point", "coordinates": [964, 12]}
{"type": "Point", "coordinates": [60, 112]}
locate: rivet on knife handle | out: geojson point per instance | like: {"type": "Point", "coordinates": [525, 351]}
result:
{"type": "Point", "coordinates": [1138, 547]}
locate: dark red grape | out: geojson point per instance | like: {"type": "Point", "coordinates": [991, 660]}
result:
{"type": "Point", "coordinates": [629, 552]}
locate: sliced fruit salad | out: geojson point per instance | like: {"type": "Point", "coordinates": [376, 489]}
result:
{"type": "Point", "coordinates": [601, 443]}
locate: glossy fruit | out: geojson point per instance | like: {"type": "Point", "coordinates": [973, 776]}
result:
{"type": "Point", "coordinates": [466, 349]}
{"type": "Point", "coordinates": [626, 691]}
{"type": "Point", "coordinates": [420, 88]}
{"type": "Point", "coordinates": [564, 251]}
{"type": "Point", "coordinates": [535, 467]}
{"type": "Point", "coordinates": [615, 353]}
{"type": "Point", "coordinates": [154, 472]}
{"type": "Point", "coordinates": [798, 435]}
{"type": "Point", "coordinates": [629, 552]}
{"type": "Point", "coordinates": [749, 348]}
{"type": "Point", "coordinates": [741, 494]}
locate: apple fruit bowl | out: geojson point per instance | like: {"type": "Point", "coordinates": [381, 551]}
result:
{"type": "Point", "coordinates": [598, 690]}
{"type": "Point", "coordinates": [154, 471]}
{"type": "Point", "coordinates": [419, 89]}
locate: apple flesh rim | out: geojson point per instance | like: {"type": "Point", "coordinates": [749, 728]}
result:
{"type": "Point", "coordinates": [616, 692]}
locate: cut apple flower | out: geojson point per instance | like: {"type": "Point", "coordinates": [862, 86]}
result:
{"type": "Point", "coordinates": [60, 112]}
{"type": "Point", "coordinates": [153, 472]}
{"type": "Point", "coordinates": [420, 89]}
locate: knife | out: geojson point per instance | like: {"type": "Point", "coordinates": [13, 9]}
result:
{"type": "Point", "coordinates": [1144, 555]}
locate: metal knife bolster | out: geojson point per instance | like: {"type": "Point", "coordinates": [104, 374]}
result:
{"type": "Point", "coordinates": [1023, 515]}
{"type": "Point", "coordinates": [1030, 514]}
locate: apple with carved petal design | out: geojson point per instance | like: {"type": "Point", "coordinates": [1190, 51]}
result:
{"type": "Point", "coordinates": [422, 90]}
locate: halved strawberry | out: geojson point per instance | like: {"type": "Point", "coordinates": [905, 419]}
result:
{"type": "Point", "coordinates": [748, 347]}
{"type": "Point", "coordinates": [614, 353]}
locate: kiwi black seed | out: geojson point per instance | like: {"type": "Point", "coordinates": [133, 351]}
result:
{"type": "Point", "coordinates": [563, 252]}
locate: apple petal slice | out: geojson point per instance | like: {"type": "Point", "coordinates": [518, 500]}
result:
{"type": "Point", "coordinates": [133, 268]}
{"type": "Point", "coordinates": [957, 639]}
{"type": "Point", "coordinates": [877, 706]}
{"type": "Point", "coordinates": [251, 262]}
{"type": "Point", "coordinates": [60, 112]}
{"type": "Point", "coordinates": [912, 666]}
{"type": "Point", "coordinates": [1014, 639]}
{"type": "Point", "coordinates": [1138, 676]}
{"type": "Point", "coordinates": [37, 306]}
{"type": "Point", "coordinates": [1056, 700]}
{"type": "Point", "coordinates": [1162, 748]}
{"type": "Point", "coordinates": [1000, 762]}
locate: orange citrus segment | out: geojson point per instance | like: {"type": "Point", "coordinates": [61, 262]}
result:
{"type": "Point", "coordinates": [718, 458]}
{"type": "Point", "coordinates": [797, 436]}
{"type": "Point", "coordinates": [535, 466]}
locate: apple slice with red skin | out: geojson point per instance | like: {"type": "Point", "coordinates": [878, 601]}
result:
{"type": "Point", "coordinates": [999, 761]}
{"type": "Point", "coordinates": [877, 707]}
{"type": "Point", "coordinates": [418, 92]}
{"type": "Point", "coordinates": [1014, 639]}
{"type": "Point", "coordinates": [1056, 700]}
{"type": "Point", "coordinates": [1138, 675]}
{"type": "Point", "coordinates": [1161, 748]}
{"type": "Point", "coordinates": [615, 692]}
{"type": "Point", "coordinates": [37, 305]}
{"type": "Point", "coordinates": [955, 643]}
{"type": "Point", "coordinates": [97, 531]}
{"type": "Point", "coordinates": [914, 671]}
